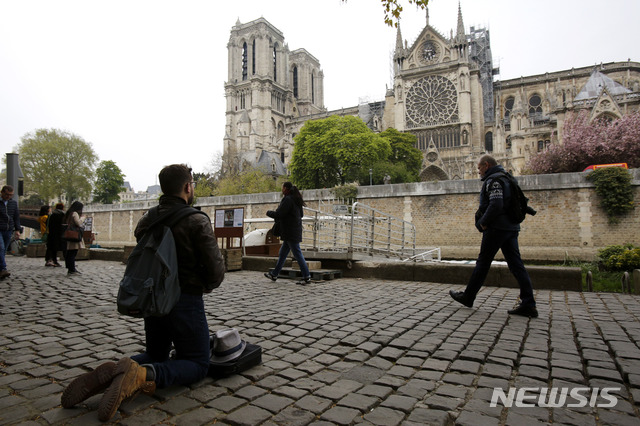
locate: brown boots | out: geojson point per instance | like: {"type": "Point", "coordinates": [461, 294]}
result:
{"type": "Point", "coordinates": [129, 380]}
{"type": "Point", "coordinates": [88, 384]}
{"type": "Point", "coordinates": [123, 380]}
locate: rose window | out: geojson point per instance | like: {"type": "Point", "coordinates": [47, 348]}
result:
{"type": "Point", "coordinates": [430, 101]}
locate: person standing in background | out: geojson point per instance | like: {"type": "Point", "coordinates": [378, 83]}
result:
{"type": "Point", "coordinates": [9, 223]}
{"type": "Point", "coordinates": [73, 217]}
{"type": "Point", "coordinates": [54, 240]}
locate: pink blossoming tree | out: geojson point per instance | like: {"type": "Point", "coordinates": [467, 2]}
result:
{"type": "Point", "coordinates": [585, 143]}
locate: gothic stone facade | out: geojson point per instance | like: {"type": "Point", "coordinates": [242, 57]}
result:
{"type": "Point", "coordinates": [444, 92]}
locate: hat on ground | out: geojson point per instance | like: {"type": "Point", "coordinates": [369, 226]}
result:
{"type": "Point", "coordinates": [227, 346]}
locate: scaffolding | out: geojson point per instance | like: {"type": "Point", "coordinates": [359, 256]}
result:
{"type": "Point", "coordinates": [480, 53]}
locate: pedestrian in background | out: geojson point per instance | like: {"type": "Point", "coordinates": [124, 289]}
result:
{"type": "Point", "coordinates": [73, 217]}
{"type": "Point", "coordinates": [43, 218]}
{"type": "Point", "coordinates": [54, 240]}
{"type": "Point", "coordinates": [499, 232]}
{"type": "Point", "coordinates": [9, 223]}
{"type": "Point", "coordinates": [289, 215]}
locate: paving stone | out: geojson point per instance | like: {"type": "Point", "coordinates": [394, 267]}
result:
{"type": "Point", "coordinates": [273, 403]}
{"type": "Point", "coordinates": [473, 418]}
{"type": "Point", "coordinates": [438, 402]}
{"type": "Point", "coordinates": [340, 415]}
{"type": "Point", "coordinates": [248, 415]}
{"type": "Point", "coordinates": [376, 390]}
{"type": "Point", "coordinates": [399, 402]}
{"type": "Point", "coordinates": [359, 402]}
{"type": "Point", "coordinates": [294, 417]}
{"type": "Point", "coordinates": [314, 404]}
{"type": "Point", "coordinates": [227, 403]}
{"type": "Point", "coordinates": [425, 416]}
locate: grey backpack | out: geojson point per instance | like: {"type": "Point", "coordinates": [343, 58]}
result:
{"type": "Point", "coordinates": [150, 286]}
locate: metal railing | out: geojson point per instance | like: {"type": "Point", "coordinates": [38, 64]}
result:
{"type": "Point", "coordinates": [360, 231]}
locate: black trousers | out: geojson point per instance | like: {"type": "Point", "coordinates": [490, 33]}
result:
{"type": "Point", "coordinates": [507, 241]}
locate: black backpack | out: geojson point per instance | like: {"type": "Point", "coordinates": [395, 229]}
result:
{"type": "Point", "coordinates": [150, 286]}
{"type": "Point", "coordinates": [518, 206]}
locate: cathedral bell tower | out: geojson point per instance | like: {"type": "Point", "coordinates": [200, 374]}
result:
{"type": "Point", "coordinates": [267, 86]}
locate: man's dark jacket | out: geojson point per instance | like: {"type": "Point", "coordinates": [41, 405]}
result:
{"type": "Point", "coordinates": [494, 198]}
{"type": "Point", "coordinates": [9, 216]}
{"type": "Point", "coordinates": [200, 263]}
{"type": "Point", "coordinates": [289, 214]}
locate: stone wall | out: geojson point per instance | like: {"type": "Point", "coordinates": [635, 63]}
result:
{"type": "Point", "coordinates": [569, 222]}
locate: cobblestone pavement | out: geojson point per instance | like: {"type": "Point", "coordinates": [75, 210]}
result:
{"type": "Point", "coordinates": [337, 352]}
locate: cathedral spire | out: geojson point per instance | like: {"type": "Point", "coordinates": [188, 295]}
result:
{"type": "Point", "coordinates": [398, 39]}
{"type": "Point", "coordinates": [426, 10]}
{"type": "Point", "coordinates": [460, 35]}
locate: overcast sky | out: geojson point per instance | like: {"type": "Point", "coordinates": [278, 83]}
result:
{"type": "Point", "coordinates": [143, 80]}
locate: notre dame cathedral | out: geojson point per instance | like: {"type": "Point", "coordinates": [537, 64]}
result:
{"type": "Point", "coordinates": [443, 92]}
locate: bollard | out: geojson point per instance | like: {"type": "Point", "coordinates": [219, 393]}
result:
{"type": "Point", "coordinates": [589, 281]}
{"type": "Point", "coordinates": [626, 287]}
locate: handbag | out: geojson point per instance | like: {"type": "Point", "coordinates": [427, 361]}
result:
{"type": "Point", "coordinates": [72, 233]}
{"type": "Point", "coordinates": [275, 229]}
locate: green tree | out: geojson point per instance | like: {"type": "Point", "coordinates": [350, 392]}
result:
{"type": "Point", "coordinates": [109, 183]}
{"type": "Point", "coordinates": [205, 184]}
{"type": "Point", "coordinates": [404, 163]}
{"type": "Point", "coordinates": [393, 9]}
{"type": "Point", "coordinates": [56, 163]}
{"type": "Point", "coordinates": [335, 150]}
{"type": "Point", "coordinates": [252, 181]}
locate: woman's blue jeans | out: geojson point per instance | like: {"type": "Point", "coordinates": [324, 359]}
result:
{"type": "Point", "coordinates": [294, 247]}
{"type": "Point", "coordinates": [186, 327]}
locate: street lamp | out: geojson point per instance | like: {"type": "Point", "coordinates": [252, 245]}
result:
{"type": "Point", "coordinates": [370, 177]}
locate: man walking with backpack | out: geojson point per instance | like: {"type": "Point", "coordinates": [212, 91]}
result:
{"type": "Point", "coordinates": [499, 232]}
{"type": "Point", "coordinates": [200, 269]}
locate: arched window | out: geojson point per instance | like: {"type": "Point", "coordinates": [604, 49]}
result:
{"type": "Point", "coordinates": [253, 57]}
{"type": "Point", "coordinates": [535, 106]}
{"type": "Point", "coordinates": [275, 63]}
{"type": "Point", "coordinates": [508, 107]}
{"type": "Point", "coordinates": [543, 145]}
{"type": "Point", "coordinates": [295, 82]}
{"type": "Point", "coordinates": [245, 58]}
{"type": "Point", "coordinates": [488, 142]}
{"type": "Point", "coordinates": [313, 98]}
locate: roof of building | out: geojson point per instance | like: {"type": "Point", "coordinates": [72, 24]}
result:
{"type": "Point", "coordinates": [596, 83]}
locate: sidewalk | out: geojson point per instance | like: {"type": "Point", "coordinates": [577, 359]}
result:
{"type": "Point", "coordinates": [336, 352]}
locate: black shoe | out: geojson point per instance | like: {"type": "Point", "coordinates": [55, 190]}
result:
{"type": "Point", "coordinates": [271, 277]}
{"type": "Point", "coordinates": [460, 297]}
{"type": "Point", "coordinates": [525, 311]}
{"type": "Point", "coordinates": [304, 281]}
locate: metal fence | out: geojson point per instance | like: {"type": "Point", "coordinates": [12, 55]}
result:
{"type": "Point", "coordinates": [355, 232]}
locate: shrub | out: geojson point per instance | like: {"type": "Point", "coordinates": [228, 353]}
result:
{"type": "Point", "coordinates": [613, 185]}
{"type": "Point", "coordinates": [620, 257]}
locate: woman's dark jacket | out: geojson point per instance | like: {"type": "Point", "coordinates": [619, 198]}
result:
{"type": "Point", "coordinates": [200, 264]}
{"type": "Point", "coordinates": [289, 214]}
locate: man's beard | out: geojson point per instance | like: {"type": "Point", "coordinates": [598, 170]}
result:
{"type": "Point", "coordinates": [190, 200]}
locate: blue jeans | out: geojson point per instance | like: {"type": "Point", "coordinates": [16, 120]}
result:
{"type": "Point", "coordinates": [294, 247]}
{"type": "Point", "coordinates": [186, 327]}
{"type": "Point", "coordinates": [507, 241]}
{"type": "Point", "coordinates": [5, 241]}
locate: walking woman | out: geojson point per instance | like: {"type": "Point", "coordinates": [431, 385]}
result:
{"type": "Point", "coordinates": [72, 217]}
{"type": "Point", "coordinates": [289, 215]}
